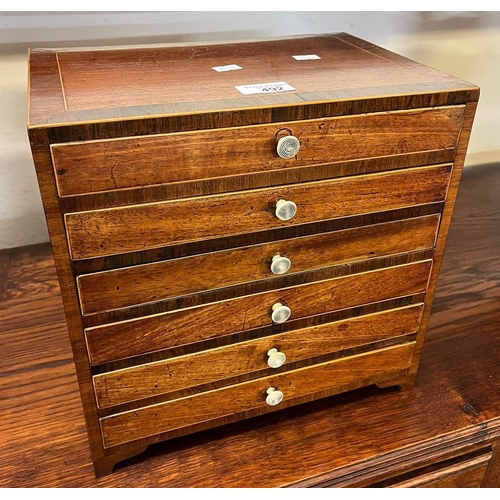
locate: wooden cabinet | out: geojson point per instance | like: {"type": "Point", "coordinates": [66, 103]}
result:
{"type": "Point", "coordinates": [221, 254]}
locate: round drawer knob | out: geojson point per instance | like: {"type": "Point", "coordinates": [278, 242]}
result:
{"type": "Point", "coordinates": [280, 313]}
{"type": "Point", "coordinates": [276, 358]}
{"type": "Point", "coordinates": [280, 265]}
{"type": "Point", "coordinates": [288, 146]}
{"type": "Point", "coordinates": [285, 210]}
{"type": "Point", "coordinates": [274, 397]}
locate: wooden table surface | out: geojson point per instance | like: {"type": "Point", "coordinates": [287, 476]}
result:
{"type": "Point", "coordinates": [346, 440]}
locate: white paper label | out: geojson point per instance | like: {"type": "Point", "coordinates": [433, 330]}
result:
{"type": "Point", "coordinates": [264, 88]}
{"type": "Point", "coordinates": [229, 67]}
{"type": "Point", "coordinates": [306, 57]}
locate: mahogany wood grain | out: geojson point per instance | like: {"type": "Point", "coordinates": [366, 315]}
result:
{"type": "Point", "coordinates": [55, 224]}
{"type": "Point", "coordinates": [94, 166]}
{"type": "Point", "coordinates": [351, 439]}
{"type": "Point", "coordinates": [96, 113]}
{"type": "Point", "coordinates": [144, 381]}
{"type": "Point", "coordinates": [464, 320]}
{"type": "Point", "coordinates": [127, 229]}
{"type": "Point", "coordinates": [96, 264]}
{"type": "Point", "coordinates": [44, 85]}
{"type": "Point", "coordinates": [87, 74]}
{"type": "Point", "coordinates": [492, 475]}
{"type": "Point", "coordinates": [467, 474]}
{"type": "Point", "coordinates": [290, 175]}
{"type": "Point", "coordinates": [255, 287]}
{"type": "Point", "coordinates": [125, 89]}
{"type": "Point", "coordinates": [134, 337]}
{"type": "Point", "coordinates": [152, 282]}
{"type": "Point", "coordinates": [233, 400]}
{"type": "Point", "coordinates": [458, 165]}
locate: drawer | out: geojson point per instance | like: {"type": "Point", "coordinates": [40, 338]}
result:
{"type": "Point", "coordinates": [328, 378]}
{"type": "Point", "coordinates": [98, 233]}
{"type": "Point", "coordinates": [108, 290]}
{"type": "Point", "coordinates": [130, 338]}
{"type": "Point", "coordinates": [103, 165]}
{"type": "Point", "coordinates": [139, 382]}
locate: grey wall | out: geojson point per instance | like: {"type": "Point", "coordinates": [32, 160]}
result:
{"type": "Point", "coordinates": [465, 44]}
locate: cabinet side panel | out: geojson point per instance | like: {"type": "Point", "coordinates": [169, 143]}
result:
{"type": "Point", "coordinates": [43, 165]}
{"type": "Point", "coordinates": [463, 143]}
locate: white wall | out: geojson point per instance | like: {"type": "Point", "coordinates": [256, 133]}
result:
{"type": "Point", "coordinates": [465, 44]}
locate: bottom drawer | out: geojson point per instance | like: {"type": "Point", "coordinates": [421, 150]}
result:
{"type": "Point", "coordinates": [326, 378]}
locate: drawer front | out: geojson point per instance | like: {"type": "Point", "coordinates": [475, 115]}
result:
{"type": "Point", "coordinates": [163, 280]}
{"type": "Point", "coordinates": [114, 231]}
{"type": "Point", "coordinates": [172, 374]}
{"type": "Point", "coordinates": [130, 338]}
{"type": "Point", "coordinates": [94, 166]}
{"type": "Point", "coordinates": [333, 376]}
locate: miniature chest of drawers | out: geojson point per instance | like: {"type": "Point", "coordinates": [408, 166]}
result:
{"type": "Point", "coordinates": [241, 227]}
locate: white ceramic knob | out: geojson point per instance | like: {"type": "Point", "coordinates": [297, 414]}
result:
{"type": "Point", "coordinates": [274, 397]}
{"type": "Point", "coordinates": [280, 264]}
{"type": "Point", "coordinates": [276, 358]}
{"type": "Point", "coordinates": [280, 313]}
{"type": "Point", "coordinates": [285, 210]}
{"type": "Point", "coordinates": [288, 146]}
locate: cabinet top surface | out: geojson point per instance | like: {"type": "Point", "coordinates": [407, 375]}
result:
{"type": "Point", "coordinates": [95, 84]}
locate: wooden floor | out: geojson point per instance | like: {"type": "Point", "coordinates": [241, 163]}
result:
{"type": "Point", "coordinates": [342, 440]}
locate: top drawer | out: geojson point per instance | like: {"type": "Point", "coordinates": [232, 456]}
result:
{"type": "Point", "coordinates": [104, 165]}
